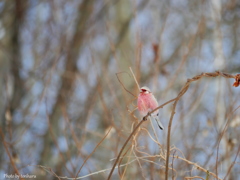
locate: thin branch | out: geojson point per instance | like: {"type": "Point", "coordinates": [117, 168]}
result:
{"type": "Point", "coordinates": [134, 78]}
{"type": "Point", "coordinates": [181, 93]}
{"type": "Point", "coordinates": [232, 163]}
{"type": "Point", "coordinates": [93, 152]}
{"type": "Point", "coordinates": [197, 166]}
{"type": "Point", "coordinates": [125, 169]}
{"type": "Point", "coordinates": [172, 164]}
{"type": "Point", "coordinates": [155, 134]}
{"type": "Point", "coordinates": [48, 169]}
{"type": "Point", "coordinates": [156, 141]}
{"type": "Point", "coordinates": [194, 177]}
{"type": "Point", "coordinates": [221, 135]}
{"type": "Point", "coordinates": [9, 155]}
{"type": "Point", "coordinates": [122, 83]}
{"type": "Point", "coordinates": [119, 154]}
{"type": "Point", "coordinates": [119, 172]}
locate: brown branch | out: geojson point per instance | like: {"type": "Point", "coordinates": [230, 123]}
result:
{"type": "Point", "coordinates": [198, 167]}
{"type": "Point", "coordinates": [170, 125]}
{"type": "Point", "coordinates": [181, 93]}
{"type": "Point", "coordinates": [232, 163]}
{"type": "Point", "coordinates": [9, 155]}
{"type": "Point", "coordinates": [172, 164]}
{"type": "Point", "coordinates": [122, 83]}
{"type": "Point", "coordinates": [92, 152]}
{"type": "Point", "coordinates": [134, 78]}
{"type": "Point", "coordinates": [221, 135]}
{"type": "Point", "coordinates": [194, 177]}
{"type": "Point", "coordinates": [119, 164]}
{"type": "Point", "coordinates": [119, 154]}
{"type": "Point", "coordinates": [138, 125]}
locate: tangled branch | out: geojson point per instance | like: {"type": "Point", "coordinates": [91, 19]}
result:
{"type": "Point", "coordinates": [175, 100]}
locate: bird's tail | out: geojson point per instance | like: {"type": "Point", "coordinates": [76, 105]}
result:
{"type": "Point", "coordinates": [158, 122]}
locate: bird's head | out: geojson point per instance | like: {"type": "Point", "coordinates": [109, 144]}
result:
{"type": "Point", "coordinates": [145, 90]}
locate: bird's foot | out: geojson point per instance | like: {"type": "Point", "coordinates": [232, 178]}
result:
{"type": "Point", "coordinates": [145, 117]}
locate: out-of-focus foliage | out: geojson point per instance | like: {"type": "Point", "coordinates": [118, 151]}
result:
{"type": "Point", "coordinates": [60, 94]}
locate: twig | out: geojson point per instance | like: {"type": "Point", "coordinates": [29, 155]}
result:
{"type": "Point", "coordinates": [155, 134]}
{"type": "Point", "coordinates": [139, 163]}
{"type": "Point", "coordinates": [232, 163]}
{"type": "Point", "coordinates": [138, 125]}
{"type": "Point", "coordinates": [194, 177]}
{"type": "Point", "coordinates": [125, 169]}
{"type": "Point", "coordinates": [130, 147]}
{"type": "Point", "coordinates": [169, 128]}
{"type": "Point", "coordinates": [134, 78]}
{"type": "Point", "coordinates": [81, 177]}
{"type": "Point", "coordinates": [119, 154]}
{"type": "Point", "coordinates": [122, 83]}
{"type": "Point", "coordinates": [221, 135]}
{"type": "Point", "coordinates": [9, 155]}
{"type": "Point", "coordinates": [197, 166]}
{"type": "Point", "coordinates": [172, 164]}
{"type": "Point", "coordinates": [181, 93]}
{"type": "Point", "coordinates": [119, 172]}
{"type": "Point", "coordinates": [207, 175]}
{"type": "Point", "coordinates": [92, 152]}
{"type": "Point", "coordinates": [151, 137]}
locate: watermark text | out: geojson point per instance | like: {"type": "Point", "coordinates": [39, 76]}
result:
{"type": "Point", "coordinates": [18, 176]}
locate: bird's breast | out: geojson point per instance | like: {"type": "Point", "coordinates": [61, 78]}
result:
{"type": "Point", "coordinates": [146, 103]}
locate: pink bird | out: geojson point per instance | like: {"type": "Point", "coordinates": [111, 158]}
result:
{"type": "Point", "coordinates": [146, 103]}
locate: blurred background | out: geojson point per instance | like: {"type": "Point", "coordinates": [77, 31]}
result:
{"type": "Point", "coordinates": [61, 94]}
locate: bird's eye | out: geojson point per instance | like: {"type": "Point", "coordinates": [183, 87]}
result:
{"type": "Point", "coordinates": [143, 90]}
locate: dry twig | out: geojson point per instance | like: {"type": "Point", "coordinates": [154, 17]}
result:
{"type": "Point", "coordinates": [175, 100]}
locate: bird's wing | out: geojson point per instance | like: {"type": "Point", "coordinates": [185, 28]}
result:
{"type": "Point", "coordinates": [154, 104]}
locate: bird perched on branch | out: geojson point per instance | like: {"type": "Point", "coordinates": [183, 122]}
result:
{"type": "Point", "coordinates": [146, 103]}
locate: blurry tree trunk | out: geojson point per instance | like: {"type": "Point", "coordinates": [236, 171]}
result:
{"type": "Point", "coordinates": [119, 48]}
{"type": "Point", "coordinates": [68, 79]}
{"type": "Point", "coordinates": [11, 84]}
{"type": "Point", "coordinates": [124, 16]}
